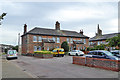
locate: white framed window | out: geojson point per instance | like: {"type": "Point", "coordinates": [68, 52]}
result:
{"type": "Point", "coordinates": [58, 40]}
{"type": "Point", "coordinates": [98, 43]}
{"type": "Point", "coordinates": [39, 48]}
{"type": "Point", "coordinates": [40, 39]}
{"type": "Point", "coordinates": [47, 48]}
{"type": "Point", "coordinates": [84, 41]}
{"type": "Point", "coordinates": [68, 40]}
{"type": "Point", "coordinates": [78, 48]}
{"type": "Point", "coordinates": [89, 43]}
{"type": "Point", "coordinates": [35, 48]}
{"type": "Point", "coordinates": [71, 48]}
{"type": "Point", "coordinates": [81, 40]}
{"type": "Point", "coordinates": [34, 38]}
{"type": "Point", "coordinates": [54, 39]}
{"type": "Point", "coordinates": [75, 40]}
{"type": "Point", "coordinates": [71, 40]}
{"type": "Point", "coordinates": [104, 42]}
{"type": "Point", "coordinates": [84, 47]}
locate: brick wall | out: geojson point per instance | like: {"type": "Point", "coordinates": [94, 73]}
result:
{"type": "Point", "coordinates": [24, 44]}
{"type": "Point", "coordinates": [107, 64]}
{"type": "Point", "coordinates": [28, 44]}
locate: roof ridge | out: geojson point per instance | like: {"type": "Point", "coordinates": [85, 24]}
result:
{"type": "Point", "coordinates": [111, 33]}
{"type": "Point", "coordinates": [69, 31]}
{"type": "Point", "coordinates": [44, 28]}
{"type": "Point", "coordinates": [47, 31]}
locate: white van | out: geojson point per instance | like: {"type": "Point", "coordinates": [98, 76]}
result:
{"type": "Point", "coordinates": [11, 54]}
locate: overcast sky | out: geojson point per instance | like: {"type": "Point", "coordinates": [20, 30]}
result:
{"type": "Point", "coordinates": [71, 15]}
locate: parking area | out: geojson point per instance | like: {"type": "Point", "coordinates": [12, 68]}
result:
{"type": "Point", "coordinates": [60, 67]}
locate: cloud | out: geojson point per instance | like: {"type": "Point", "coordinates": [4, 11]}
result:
{"type": "Point", "coordinates": [72, 16]}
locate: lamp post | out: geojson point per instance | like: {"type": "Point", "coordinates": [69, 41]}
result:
{"type": "Point", "coordinates": [18, 43]}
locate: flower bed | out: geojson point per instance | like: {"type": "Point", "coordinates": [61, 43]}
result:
{"type": "Point", "coordinates": [43, 54]}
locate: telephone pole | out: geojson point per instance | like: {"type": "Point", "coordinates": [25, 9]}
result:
{"type": "Point", "coordinates": [19, 43]}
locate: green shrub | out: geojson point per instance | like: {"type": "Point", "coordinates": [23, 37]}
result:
{"type": "Point", "coordinates": [43, 52]}
{"type": "Point", "coordinates": [65, 46]}
{"type": "Point", "coordinates": [66, 53]}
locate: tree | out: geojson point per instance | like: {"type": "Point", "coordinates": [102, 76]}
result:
{"type": "Point", "coordinates": [114, 41]}
{"type": "Point", "coordinates": [100, 47]}
{"type": "Point", "coordinates": [1, 17]}
{"type": "Point", "coordinates": [15, 48]}
{"type": "Point", "coordinates": [65, 46]}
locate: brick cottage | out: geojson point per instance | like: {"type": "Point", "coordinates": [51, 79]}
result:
{"type": "Point", "coordinates": [47, 39]}
{"type": "Point", "coordinates": [100, 38]}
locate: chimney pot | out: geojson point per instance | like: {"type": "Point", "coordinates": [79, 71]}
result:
{"type": "Point", "coordinates": [81, 31]}
{"type": "Point", "coordinates": [25, 28]}
{"type": "Point", "coordinates": [57, 25]}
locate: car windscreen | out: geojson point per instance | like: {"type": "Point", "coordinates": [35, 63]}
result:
{"type": "Point", "coordinates": [108, 53]}
{"type": "Point", "coordinates": [115, 52]}
{"type": "Point", "coordinates": [61, 50]}
{"type": "Point", "coordinates": [80, 51]}
{"type": "Point", "coordinates": [12, 52]}
{"type": "Point", "coordinates": [54, 50]}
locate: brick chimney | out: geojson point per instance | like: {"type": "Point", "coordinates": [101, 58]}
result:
{"type": "Point", "coordinates": [81, 31]}
{"type": "Point", "coordinates": [25, 28]}
{"type": "Point", "coordinates": [57, 25]}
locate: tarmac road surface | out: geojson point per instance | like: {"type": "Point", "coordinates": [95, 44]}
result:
{"type": "Point", "coordinates": [60, 67]}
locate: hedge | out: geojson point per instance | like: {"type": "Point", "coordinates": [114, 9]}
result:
{"type": "Point", "coordinates": [43, 52]}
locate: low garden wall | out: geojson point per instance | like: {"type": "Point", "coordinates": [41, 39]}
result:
{"type": "Point", "coordinates": [108, 64]}
{"type": "Point", "coordinates": [43, 54]}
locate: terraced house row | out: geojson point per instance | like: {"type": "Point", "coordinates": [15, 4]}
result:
{"type": "Point", "coordinates": [47, 39]}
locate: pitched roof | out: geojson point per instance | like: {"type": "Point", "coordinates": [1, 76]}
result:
{"type": "Point", "coordinates": [54, 32]}
{"type": "Point", "coordinates": [103, 37]}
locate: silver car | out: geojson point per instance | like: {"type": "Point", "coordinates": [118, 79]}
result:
{"type": "Point", "coordinates": [76, 52]}
{"type": "Point", "coordinates": [11, 54]}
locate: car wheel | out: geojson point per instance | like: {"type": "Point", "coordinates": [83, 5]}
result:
{"type": "Point", "coordinates": [69, 54]}
{"type": "Point", "coordinates": [7, 58]}
{"type": "Point", "coordinates": [62, 55]}
{"type": "Point", "coordinates": [76, 54]}
{"type": "Point", "coordinates": [81, 55]}
{"type": "Point", "coordinates": [58, 55]}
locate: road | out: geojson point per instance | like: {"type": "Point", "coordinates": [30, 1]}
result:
{"type": "Point", "coordinates": [60, 67]}
{"type": "Point", "coordinates": [11, 70]}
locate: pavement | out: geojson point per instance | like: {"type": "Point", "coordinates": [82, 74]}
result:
{"type": "Point", "coordinates": [60, 67]}
{"type": "Point", "coordinates": [11, 70]}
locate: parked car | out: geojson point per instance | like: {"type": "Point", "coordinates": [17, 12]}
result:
{"type": "Point", "coordinates": [101, 54]}
{"type": "Point", "coordinates": [76, 52]}
{"type": "Point", "coordinates": [116, 53]}
{"type": "Point", "coordinates": [58, 52]}
{"type": "Point", "coordinates": [11, 54]}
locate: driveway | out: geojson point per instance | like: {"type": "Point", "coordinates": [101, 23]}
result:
{"type": "Point", "coordinates": [60, 67]}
